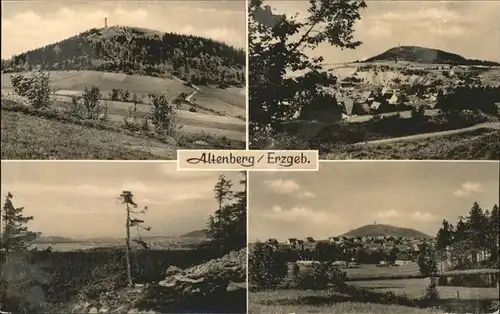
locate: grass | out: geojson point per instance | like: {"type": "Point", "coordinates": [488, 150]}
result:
{"type": "Point", "coordinates": [414, 288]}
{"type": "Point", "coordinates": [30, 137]}
{"type": "Point", "coordinates": [300, 301]}
{"type": "Point", "coordinates": [474, 145]}
{"type": "Point", "coordinates": [229, 102]}
{"type": "Point", "coordinates": [28, 133]}
{"type": "Point", "coordinates": [366, 271]}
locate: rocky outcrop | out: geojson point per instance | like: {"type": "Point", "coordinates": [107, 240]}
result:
{"type": "Point", "coordinates": [225, 274]}
{"type": "Point", "coordinates": [218, 279]}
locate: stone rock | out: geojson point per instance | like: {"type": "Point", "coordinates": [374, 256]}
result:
{"type": "Point", "coordinates": [93, 310]}
{"type": "Point", "coordinates": [133, 311]}
{"type": "Point", "coordinates": [104, 309]}
{"type": "Point", "coordinates": [200, 143]}
{"type": "Point", "coordinates": [214, 276]}
{"type": "Point", "coordinates": [172, 270]}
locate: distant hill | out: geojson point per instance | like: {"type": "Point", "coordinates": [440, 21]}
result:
{"type": "Point", "coordinates": [426, 55]}
{"type": "Point", "coordinates": [195, 234]}
{"type": "Point", "coordinates": [386, 230]}
{"type": "Point", "coordinates": [55, 239]}
{"type": "Point", "coordinates": [142, 51]}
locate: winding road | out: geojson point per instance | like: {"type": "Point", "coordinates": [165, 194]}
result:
{"type": "Point", "coordinates": [486, 125]}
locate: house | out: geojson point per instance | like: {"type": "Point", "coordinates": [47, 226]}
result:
{"type": "Point", "coordinates": [387, 92]}
{"type": "Point", "coordinates": [300, 244]}
{"type": "Point", "coordinates": [340, 263]}
{"type": "Point", "coordinates": [292, 241]}
{"type": "Point", "coordinates": [396, 99]}
{"type": "Point", "coordinates": [273, 242]}
{"type": "Point", "coordinates": [361, 108]}
{"type": "Point", "coordinates": [367, 97]}
{"type": "Point", "coordinates": [401, 262]}
{"type": "Point", "coordinates": [348, 106]}
{"type": "Point", "coordinates": [310, 244]}
{"type": "Point", "coordinates": [334, 239]}
{"type": "Point", "coordinates": [376, 106]}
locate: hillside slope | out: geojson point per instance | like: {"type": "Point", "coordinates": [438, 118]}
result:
{"type": "Point", "coordinates": [135, 50]}
{"type": "Point", "coordinates": [385, 230]}
{"type": "Point", "coordinates": [425, 55]}
{"type": "Point", "coordinates": [195, 234]}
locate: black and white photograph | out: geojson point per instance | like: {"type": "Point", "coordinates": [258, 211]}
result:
{"type": "Point", "coordinates": [122, 79]}
{"type": "Point", "coordinates": [121, 237]}
{"type": "Point", "coordinates": [375, 237]}
{"type": "Point", "coordinates": [412, 80]}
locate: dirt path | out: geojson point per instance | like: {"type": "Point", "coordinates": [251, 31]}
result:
{"type": "Point", "coordinates": [486, 125]}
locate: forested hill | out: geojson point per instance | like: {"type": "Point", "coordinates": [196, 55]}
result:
{"type": "Point", "coordinates": [135, 50]}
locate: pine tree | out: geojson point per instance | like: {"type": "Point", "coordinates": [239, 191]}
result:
{"type": "Point", "coordinates": [227, 226]}
{"type": "Point", "coordinates": [127, 198]}
{"type": "Point", "coordinates": [493, 234]}
{"type": "Point", "coordinates": [15, 235]}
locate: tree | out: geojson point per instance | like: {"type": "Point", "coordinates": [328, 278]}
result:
{"type": "Point", "coordinates": [222, 190]}
{"type": "Point", "coordinates": [127, 198]}
{"type": "Point", "coordinates": [493, 235]}
{"type": "Point", "coordinates": [15, 235]}
{"type": "Point", "coordinates": [426, 259]}
{"type": "Point", "coordinates": [476, 231]}
{"type": "Point", "coordinates": [18, 276]}
{"type": "Point", "coordinates": [227, 226]}
{"type": "Point", "coordinates": [276, 46]}
{"type": "Point", "coordinates": [265, 269]}
{"type": "Point", "coordinates": [445, 235]}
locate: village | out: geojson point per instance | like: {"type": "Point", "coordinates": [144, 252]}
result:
{"type": "Point", "coordinates": [347, 251]}
{"type": "Point", "coordinates": [381, 89]}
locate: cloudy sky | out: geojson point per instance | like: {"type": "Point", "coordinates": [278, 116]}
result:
{"type": "Point", "coordinates": [32, 24]}
{"type": "Point", "coordinates": [469, 28]}
{"type": "Point", "coordinates": [347, 195]}
{"type": "Point", "coordinates": [78, 199]}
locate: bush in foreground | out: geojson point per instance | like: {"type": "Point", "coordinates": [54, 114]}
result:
{"type": "Point", "coordinates": [35, 87]}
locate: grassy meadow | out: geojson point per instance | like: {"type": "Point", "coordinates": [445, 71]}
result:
{"type": "Point", "coordinates": [215, 120]}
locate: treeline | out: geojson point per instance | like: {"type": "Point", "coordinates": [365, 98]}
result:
{"type": "Point", "coordinates": [139, 51]}
{"type": "Point", "coordinates": [328, 252]}
{"type": "Point", "coordinates": [470, 97]}
{"type": "Point", "coordinates": [476, 232]}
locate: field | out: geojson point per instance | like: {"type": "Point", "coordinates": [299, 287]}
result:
{"type": "Point", "coordinates": [372, 271]}
{"type": "Point", "coordinates": [216, 120]}
{"type": "Point", "coordinates": [160, 243]}
{"type": "Point", "coordinates": [300, 301]}
{"type": "Point", "coordinates": [481, 144]}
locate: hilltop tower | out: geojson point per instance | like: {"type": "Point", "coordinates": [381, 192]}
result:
{"type": "Point", "coordinates": [105, 22]}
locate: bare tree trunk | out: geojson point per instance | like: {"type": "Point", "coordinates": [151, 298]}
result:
{"type": "Point", "coordinates": [129, 270]}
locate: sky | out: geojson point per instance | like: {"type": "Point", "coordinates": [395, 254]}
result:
{"type": "Point", "coordinates": [79, 199]}
{"type": "Point", "coordinates": [342, 196]}
{"type": "Point", "coordinates": [468, 28]}
{"type": "Point", "coordinates": [31, 24]}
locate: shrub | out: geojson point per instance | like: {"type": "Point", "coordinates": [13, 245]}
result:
{"type": "Point", "coordinates": [163, 114]}
{"type": "Point", "coordinates": [320, 276]}
{"type": "Point", "coordinates": [35, 87]}
{"type": "Point", "coordinates": [125, 94]}
{"type": "Point", "coordinates": [265, 269]}
{"type": "Point", "coordinates": [113, 95]}
{"type": "Point", "coordinates": [131, 121]}
{"type": "Point", "coordinates": [89, 105]}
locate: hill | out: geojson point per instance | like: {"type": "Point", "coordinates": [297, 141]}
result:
{"type": "Point", "coordinates": [195, 234]}
{"type": "Point", "coordinates": [385, 230]}
{"type": "Point", "coordinates": [55, 239]}
{"type": "Point", "coordinates": [426, 55]}
{"type": "Point", "coordinates": [135, 50]}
